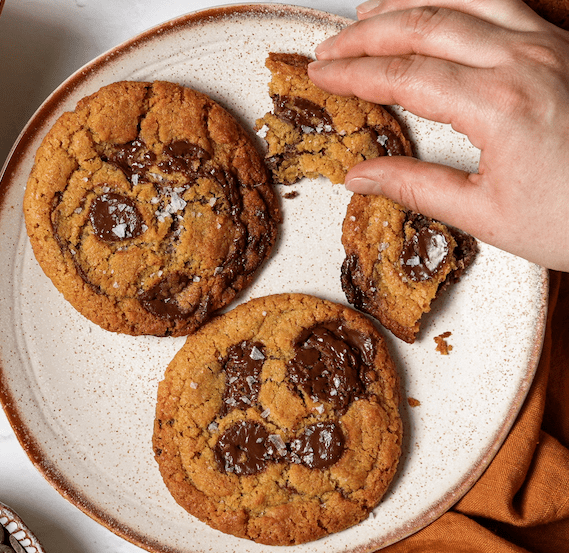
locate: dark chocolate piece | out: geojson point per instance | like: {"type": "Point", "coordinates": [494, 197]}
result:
{"type": "Point", "coordinates": [319, 446]}
{"type": "Point", "coordinates": [303, 113]}
{"type": "Point", "coordinates": [242, 448]}
{"type": "Point", "coordinates": [115, 217]}
{"type": "Point", "coordinates": [424, 253]}
{"type": "Point", "coordinates": [242, 367]}
{"type": "Point", "coordinates": [183, 157]}
{"type": "Point", "coordinates": [132, 158]}
{"type": "Point", "coordinates": [330, 365]}
{"type": "Point", "coordinates": [160, 299]}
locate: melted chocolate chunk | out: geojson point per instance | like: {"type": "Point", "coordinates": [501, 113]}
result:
{"type": "Point", "coordinates": [351, 273]}
{"type": "Point", "coordinates": [390, 142]}
{"type": "Point", "coordinates": [160, 299]}
{"type": "Point", "coordinates": [132, 158]}
{"type": "Point", "coordinates": [242, 367]}
{"type": "Point", "coordinates": [319, 446]}
{"type": "Point", "coordinates": [115, 217]}
{"type": "Point", "coordinates": [330, 365]}
{"type": "Point", "coordinates": [303, 113]}
{"type": "Point", "coordinates": [246, 447]}
{"type": "Point", "coordinates": [423, 255]}
{"type": "Point", "coordinates": [243, 448]}
{"type": "Point", "coordinates": [185, 148]}
{"type": "Point", "coordinates": [183, 157]}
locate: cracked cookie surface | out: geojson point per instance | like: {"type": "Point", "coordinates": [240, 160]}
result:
{"type": "Point", "coordinates": [149, 208]}
{"type": "Point", "coordinates": [278, 421]}
{"type": "Point", "coordinates": [397, 262]}
{"type": "Point", "coordinates": [311, 132]}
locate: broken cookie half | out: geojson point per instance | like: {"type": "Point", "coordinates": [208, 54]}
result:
{"type": "Point", "coordinates": [311, 133]}
{"type": "Point", "coordinates": [397, 262]}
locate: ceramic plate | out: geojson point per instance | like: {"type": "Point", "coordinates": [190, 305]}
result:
{"type": "Point", "coordinates": [81, 400]}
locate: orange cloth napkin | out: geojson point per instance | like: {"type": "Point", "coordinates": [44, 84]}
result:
{"type": "Point", "coordinates": [521, 503]}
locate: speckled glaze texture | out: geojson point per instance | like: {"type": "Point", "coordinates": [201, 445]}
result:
{"type": "Point", "coordinates": [16, 527]}
{"type": "Point", "coordinates": [82, 400]}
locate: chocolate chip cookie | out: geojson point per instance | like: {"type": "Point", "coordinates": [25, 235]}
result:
{"type": "Point", "coordinates": [397, 261]}
{"type": "Point", "coordinates": [149, 208]}
{"type": "Point", "coordinates": [278, 421]}
{"type": "Point", "coordinates": [311, 133]}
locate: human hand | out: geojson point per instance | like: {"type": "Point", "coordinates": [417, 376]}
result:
{"type": "Point", "coordinates": [497, 73]}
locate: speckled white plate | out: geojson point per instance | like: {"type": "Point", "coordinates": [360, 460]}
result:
{"type": "Point", "coordinates": [81, 400]}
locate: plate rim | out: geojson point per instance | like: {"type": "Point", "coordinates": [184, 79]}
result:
{"type": "Point", "coordinates": [29, 443]}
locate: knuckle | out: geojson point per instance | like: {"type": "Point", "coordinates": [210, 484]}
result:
{"type": "Point", "coordinates": [533, 89]}
{"type": "Point", "coordinates": [408, 196]}
{"type": "Point", "coordinates": [541, 53]}
{"type": "Point", "coordinates": [421, 21]}
{"type": "Point", "coordinates": [534, 82]}
{"type": "Point", "coordinates": [511, 98]}
{"type": "Point", "coordinates": [400, 71]}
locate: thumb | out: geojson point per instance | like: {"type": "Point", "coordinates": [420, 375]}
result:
{"type": "Point", "coordinates": [437, 191]}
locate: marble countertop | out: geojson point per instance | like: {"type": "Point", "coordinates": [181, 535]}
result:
{"type": "Point", "coordinates": [42, 42]}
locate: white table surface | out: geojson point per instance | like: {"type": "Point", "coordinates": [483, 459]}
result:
{"type": "Point", "coordinates": [42, 42]}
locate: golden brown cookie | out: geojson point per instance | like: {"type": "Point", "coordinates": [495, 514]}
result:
{"type": "Point", "coordinates": [149, 208]}
{"type": "Point", "coordinates": [278, 421]}
{"type": "Point", "coordinates": [311, 133]}
{"type": "Point", "coordinates": [398, 261]}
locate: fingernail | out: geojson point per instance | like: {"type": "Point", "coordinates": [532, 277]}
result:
{"type": "Point", "coordinates": [368, 6]}
{"type": "Point", "coordinates": [324, 46]}
{"type": "Point", "coordinates": [318, 65]}
{"type": "Point", "coordinates": [361, 185]}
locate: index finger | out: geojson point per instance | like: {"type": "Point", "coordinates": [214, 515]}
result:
{"type": "Point", "coordinates": [509, 14]}
{"type": "Point", "coordinates": [428, 87]}
{"type": "Point", "coordinates": [431, 31]}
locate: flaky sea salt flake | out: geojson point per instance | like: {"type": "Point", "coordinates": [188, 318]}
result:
{"type": "Point", "coordinates": [257, 354]}
{"type": "Point", "coordinates": [120, 230]}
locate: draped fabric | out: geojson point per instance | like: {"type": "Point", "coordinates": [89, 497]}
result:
{"type": "Point", "coordinates": [521, 502]}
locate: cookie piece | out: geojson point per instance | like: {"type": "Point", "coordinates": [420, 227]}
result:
{"type": "Point", "coordinates": [149, 208]}
{"type": "Point", "coordinates": [398, 261]}
{"type": "Point", "coordinates": [311, 133]}
{"type": "Point", "coordinates": [278, 421]}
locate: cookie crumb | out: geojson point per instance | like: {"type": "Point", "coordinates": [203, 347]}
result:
{"type": "Point", "coordinates": [413, 402]}
{"type": "Point", "coordinates": [290, 195]}
{"type": "Point", "coordinates": [443, 347]}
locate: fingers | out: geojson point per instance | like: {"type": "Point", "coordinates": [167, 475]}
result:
{"type": "Point", "coordinates": [428, 87]}
{"type": "Point", "coordinates": [509, 14]}
{"type": "Point", "coordinates": [440, 192]}
{"type": "Point", "coordinates": [430, 31]}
